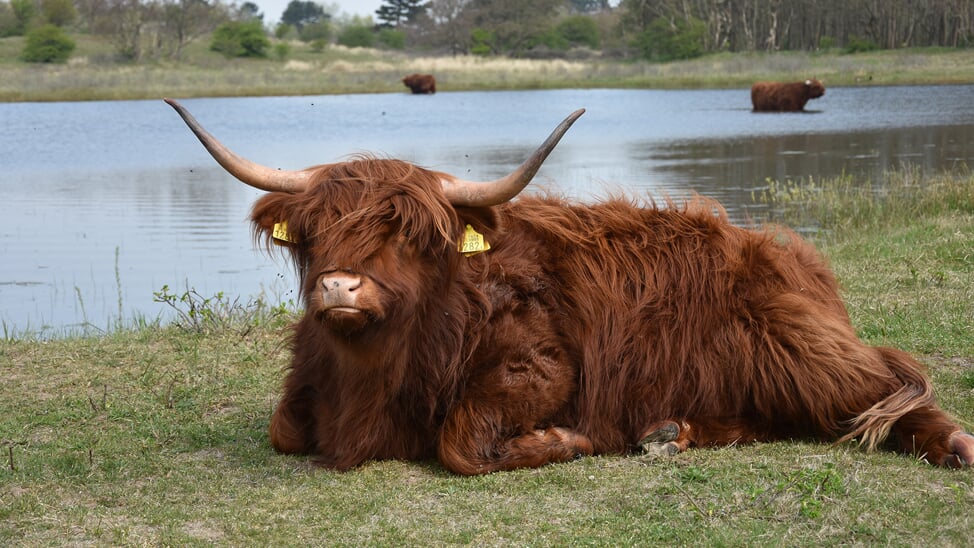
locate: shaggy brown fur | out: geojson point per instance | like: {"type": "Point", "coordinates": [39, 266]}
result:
{"type": "Point", "coordinates": [784, 97]}
{"type": "Point", "coordinates": [584, 329]}
{"type": "Point", "coordinates": [420, 83]}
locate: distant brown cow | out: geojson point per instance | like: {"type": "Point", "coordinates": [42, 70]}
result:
{"type": "Point", "coordinates": [784, 97]}
{"type": "Point", "coordinates": [420, 83]}
{"type": "Point", "coordinates": [445, 319]}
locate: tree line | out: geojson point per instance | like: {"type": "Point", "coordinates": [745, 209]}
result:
{"type": "Point", "coordinates": [652, 29]}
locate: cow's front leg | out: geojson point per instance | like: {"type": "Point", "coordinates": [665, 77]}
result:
{"type": "Point", "coordinates": [292, 425]}
{"type": "Point", "coordinates": [509, 417]}
{"type": "Point", "coordinates": [476, 440]}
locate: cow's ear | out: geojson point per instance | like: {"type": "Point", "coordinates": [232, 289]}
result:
{"type": "Point", "coordinates": [484, 219]}
{"type": "Point", "coordinates": [272, 217]}
{"type": "Point", "coordinates": [481, 223]}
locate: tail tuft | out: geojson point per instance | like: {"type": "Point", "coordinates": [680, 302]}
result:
{"type": "Point", "coordinates": [873, 426]}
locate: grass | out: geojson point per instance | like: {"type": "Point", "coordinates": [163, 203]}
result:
{"type": "Point", "coordinates": [894, 246]}
{"type": "Point", "coordinates": [92, 74]}
{"type": "Point", "coordinates": [157, 435]}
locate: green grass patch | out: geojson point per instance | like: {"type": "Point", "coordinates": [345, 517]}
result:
{"type": "Point", "coordinates": [158, 435]}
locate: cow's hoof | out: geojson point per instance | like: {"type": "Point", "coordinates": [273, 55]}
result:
{"type": "Point", "coordinates": [961, 445]}
{"type": "Point", "coordinates": [654, 449]}
{"type": "Point", "coordinates": [659, 442]}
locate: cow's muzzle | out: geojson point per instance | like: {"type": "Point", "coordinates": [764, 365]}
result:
{"type": "Point", "coordinates": [340, 291]}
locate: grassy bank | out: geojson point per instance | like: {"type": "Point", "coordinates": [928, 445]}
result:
{"type": "Point", "coordinates": [92, 74]}
{"type": "Point", "coordinates": [158, 435]}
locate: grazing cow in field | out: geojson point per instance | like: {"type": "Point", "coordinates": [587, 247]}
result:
{"type": "Point", "coordinates": [444, 319]}
{"type": "Point", "coordinates": [784, 97]}
{"type": "Point", "coordinates": [420, 83]}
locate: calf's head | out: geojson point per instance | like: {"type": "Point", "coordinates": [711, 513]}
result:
{"type": "Point", "coordinates": [375, 241]}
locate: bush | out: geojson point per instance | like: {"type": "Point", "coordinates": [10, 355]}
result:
{"type": "Point", "coordinates": [666, 41]}
{"type": "Point", "coordinates": [283, 31]}
{"type": "Point", "coordinates": [858, 45]}
{"type": "Point", "coordinates": [241, 39]}
{"type": "Point", "coordinates": [282, 50]}
{"type": "Point", "coordinates": [47, 44]}
{"type": "Point", "coordinates": [356, 36]}
{"type": "Point", "coordinates": [392, 39]}
{"type": "Point", "coordinates": [481, 40]}
{"type": "Point", "coordinates": [826, 43]}
{"type": "Point", "coordinates": [315, 32]}
{"type": "Point", "coordinates": [59, 12]}
{"type": "Point", "coordinates": [579, 30]}
{"type": "Point", "coordinates": [9, 24]}
{"type": "Point", "coordinates": [15, 16]}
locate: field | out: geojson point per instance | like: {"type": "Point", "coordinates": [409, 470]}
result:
{"type": "Point", "coordinates": [158, 434]}
{"type": "Point", "coordinates": [92, 74]}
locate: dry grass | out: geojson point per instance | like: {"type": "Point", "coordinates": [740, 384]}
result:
{"type": "Point", "coordinates": [91, 74]}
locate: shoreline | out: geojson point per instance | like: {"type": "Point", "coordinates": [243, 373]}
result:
{"type": "Point", "coordinates": [380, 72]}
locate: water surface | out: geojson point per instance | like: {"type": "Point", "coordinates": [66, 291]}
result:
{"type": "Point", "coordinates": [105, 202]}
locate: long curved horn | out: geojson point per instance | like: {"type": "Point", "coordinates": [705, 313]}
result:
{"type": "Point", "coordinates": [474, 194]}
{"type": "Point", "coordinates": [255, 175]}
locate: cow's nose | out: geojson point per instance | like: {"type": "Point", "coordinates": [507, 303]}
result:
{"type": "Point", "coordinates": [340, 283]}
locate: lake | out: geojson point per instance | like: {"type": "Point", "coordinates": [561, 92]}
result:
{"type": "Point", "coordinates": [104, 203]}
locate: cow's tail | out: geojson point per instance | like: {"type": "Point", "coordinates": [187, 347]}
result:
{"type": "Point", "coordinates": [873, 426]}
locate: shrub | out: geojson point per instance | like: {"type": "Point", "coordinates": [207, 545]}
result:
{"type": "Point", "coordinates": [858, 45]}
{"type": "Point", "coordinates": [59, 12]}
{"type": "Point", "coordinates": [283, 31]}
{"type": "Point", "coordinates": [666, 41]}
{"type": "Point", "coordinates": [15, 16]}
{"type": "Point", "coordinates": [47, 44]}
{"type": "Point", "coordinates": [318, 46]}
{"type": "Point", "coordinates": [826, 42]}
{"type": "Point", "coordinates": [315, 32]}
{"type": "Point", "coordinates": [481, 40]}
{"type": "Point", "coordinates": [579, 30]}
{"type": "Point", "coordinates": [240, 39]}
{"type": "Point", "coordinates": [392, 39]}
{"type": "Point", "coordinates": [282, 50]}
{"type": "Point", "coordinates": [356, 36]}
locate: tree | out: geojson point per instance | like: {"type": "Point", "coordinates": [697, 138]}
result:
{"type": "Point", "coordinates": [668, 41]}
{"type": "Point", "coordinates": [513, 25]}
{"type": "Point", "coordinates": [250, 10]}
{"type": "Point", "coordinates": [123, 22]}
{"type": "Point", "coordinates": [47, 44]}
{"type": "Point", "coordinates": [240, 39]}
{"type": "Point", "coordinates": [59, 13]}
{"type": "Point", "coordinates": [9, 25]}
{"type": "Point", "coordinates": [23, 12]}
{"type": "Point", "coordinates": [448, 23]}
{"type": "Point", "coordinates": [579, 30]}
{"type": "Point", "coordinates": [396, 12]}
{"type": "Point", "coordinates": [588, 6]}
{"type": "Point", "coordinates": [184, 21]}
{"type": "Point", "coordinates": [299, 13]}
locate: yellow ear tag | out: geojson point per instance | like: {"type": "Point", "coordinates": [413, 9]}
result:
{"type": "Point", "coordinates": [473, 242]}
{"type": "Point", "coordinates": [280, 233]}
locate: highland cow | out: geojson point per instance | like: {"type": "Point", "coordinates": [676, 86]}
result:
{"type": "Point", "coordinates": [784, 97]}
{"type": "Point", "coordinates": [420, 83]}
{"type": "Point", "coordinates": [446, 319]}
